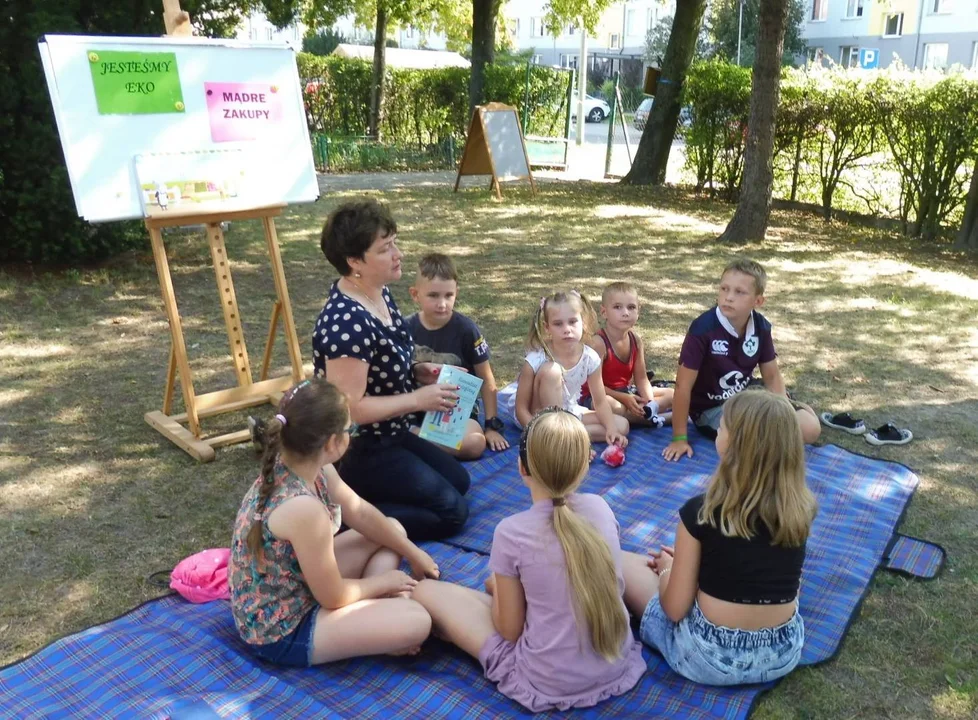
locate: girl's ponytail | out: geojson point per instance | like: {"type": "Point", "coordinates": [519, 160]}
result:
{"type": "Point", "coordinates": [273, 443]}
{"type": "Point", "coordinates": [536, 339]}
{"type": "Point", "coordinates": [592, 577]}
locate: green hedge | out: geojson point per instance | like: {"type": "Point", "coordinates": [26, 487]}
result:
{"type": "Point", "coordinates": [892, 142]}
{"type": "Point", "coordinates": [423, 107]}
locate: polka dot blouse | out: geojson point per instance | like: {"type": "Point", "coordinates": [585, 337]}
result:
{"type": "Point", "coordinates": [346, 329]}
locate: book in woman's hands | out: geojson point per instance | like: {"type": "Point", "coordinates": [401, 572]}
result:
{"type": "Point", "coordinates": [448, 428]}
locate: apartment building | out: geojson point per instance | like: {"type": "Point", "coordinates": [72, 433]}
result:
{"type": "Point", "coordinates": [922, 33]}
{"type": "Point", "coordinates": [620, 33]}
{"type": "Point", "coordinates": [257, 28]}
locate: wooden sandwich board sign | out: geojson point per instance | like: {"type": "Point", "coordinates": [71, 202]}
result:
{"type": "Point", "coordinates": [189, 132]}
{"type": "Point", "coordinates": [495, 147]}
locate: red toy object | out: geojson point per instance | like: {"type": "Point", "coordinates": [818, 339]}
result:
{"type": "Point", "coordinates": [613, 456]}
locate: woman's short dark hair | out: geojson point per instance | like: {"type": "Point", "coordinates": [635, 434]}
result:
{"type": "Point", "coordinates": [351, 229]}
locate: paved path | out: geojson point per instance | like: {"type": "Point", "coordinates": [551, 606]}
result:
{"type": "Point", "coordinates": [585, 163]}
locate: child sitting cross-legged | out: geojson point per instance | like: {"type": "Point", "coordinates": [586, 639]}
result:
{"type": "Point", "coordinates": [441, 328]}
{"type": "Point", "coordinates": [722, 605]}
{"type": "Point", "coordinates": [720, 352]}
{"type": "Point", "coordinates": [301, 594]}
{"type": "Point", "coordinates": [553, 631]}
{"type": "Point", "coordinates": [558, 364]}
{"type": "Point", "coordinates": [626, 381]}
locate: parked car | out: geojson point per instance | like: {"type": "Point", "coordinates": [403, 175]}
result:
{"type": "Point", "coordinates": [645, 107]}
{"type": "Point", "coordinates": [595, 109]}
{"type": "Point", "coordinates": [642, 113]}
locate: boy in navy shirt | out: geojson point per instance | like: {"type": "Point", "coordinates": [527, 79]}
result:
{"type": "Point", "coordinates": [719, 354]}
{"type": "Point", "coordinates": [437, 326]}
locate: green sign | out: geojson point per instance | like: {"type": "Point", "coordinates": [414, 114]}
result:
{"type": "Point", "coordinates": [135, 83]}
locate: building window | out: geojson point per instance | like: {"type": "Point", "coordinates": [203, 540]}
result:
{"type": "Point", "coordinates": [652, 17]}
{"type": "Point", "coordinates": [849, 57]}
{"type": "Point", "coordinates": [536, 27]}
{"type": "Point", "coordinates": [537, 59]}
{"type": "Point", "coordinates": [568, 61]}
{"type": "Point", "coordinates": [893, 25]}
{"type": "Point", "coordinates": [571, 29]}
{"type": "Point", "coordinates": [854, 8]}
{"type": "Point", "coordinates": [935, 56]}
{"type": "Point", "coordinates": [268, 33]}
{"type": "Point", "coordinates": [820, 9]}
{"type": "Point", "coordinates": [814, 54]}
{"type": "Point", "coordinates": [514, 27]}
{"type": "Point", "coordinates": [409, 32]}
{"type": "Point", "coordinates": [253, 33]}
{"type": "Point", "coordinates": [613, 41]}
{"type": "Point", "coordinates": [939, 7]}
{"type": "Point", "coordinates": [631, 22]}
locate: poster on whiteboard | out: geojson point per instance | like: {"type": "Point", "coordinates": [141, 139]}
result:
{"type": "Point", "coordinates": [159, 125]}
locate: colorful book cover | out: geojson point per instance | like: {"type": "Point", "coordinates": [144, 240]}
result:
{"type": "Point", "coordinates": [448, 428]}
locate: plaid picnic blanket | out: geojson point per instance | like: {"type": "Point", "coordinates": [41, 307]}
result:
{"type": "Point", "coordinates": [168, 654]}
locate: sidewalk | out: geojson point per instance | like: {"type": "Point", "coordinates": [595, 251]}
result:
{"type": "Point", "coordinates": [584, 163]}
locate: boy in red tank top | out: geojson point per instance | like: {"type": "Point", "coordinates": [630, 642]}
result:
{"type": "Point", "coordinates": [623, 360]}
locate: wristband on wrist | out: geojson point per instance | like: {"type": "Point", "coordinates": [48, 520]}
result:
{"type": "Point", "coordinates": [677, 438]}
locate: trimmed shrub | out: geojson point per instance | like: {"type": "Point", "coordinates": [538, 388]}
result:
{"type": "Point", "coordinates": [424, 107]}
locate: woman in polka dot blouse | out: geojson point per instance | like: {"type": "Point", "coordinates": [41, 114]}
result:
{"type": "Point", "coordinates": [363, 345]}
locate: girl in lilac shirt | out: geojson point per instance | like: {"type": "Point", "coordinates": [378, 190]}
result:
{"type": "Point", "coordinates": [553, 631]}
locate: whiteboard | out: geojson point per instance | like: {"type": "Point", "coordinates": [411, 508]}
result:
{"type": "Point", "coordinates": [505, 142]}
{"type": "Point", "coordinates": [100, 149]}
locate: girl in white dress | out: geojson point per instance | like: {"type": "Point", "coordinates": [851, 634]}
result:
{"type": "Point", "coordinates": [558, 364]}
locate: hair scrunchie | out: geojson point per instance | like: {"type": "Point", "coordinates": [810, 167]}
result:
{"type": "Point", "coordinates": [282, 419]}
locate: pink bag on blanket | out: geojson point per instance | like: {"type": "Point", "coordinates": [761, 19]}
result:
{"type": "Point", "coordinates": [203, 577]}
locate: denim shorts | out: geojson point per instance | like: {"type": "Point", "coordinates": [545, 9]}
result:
{"type": "Point", "coordinates": [714, 655]}
{"type": "Point", "coordinates": [295, 649]}
{"type": "Point", "coordinates": [588, 402]}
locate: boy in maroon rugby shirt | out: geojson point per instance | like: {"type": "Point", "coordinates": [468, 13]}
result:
{"type": "Point", "coordinates": [719, 354]}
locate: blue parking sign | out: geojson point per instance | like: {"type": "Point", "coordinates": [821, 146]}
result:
{"type": "Point", "coordinates": [869, 58]}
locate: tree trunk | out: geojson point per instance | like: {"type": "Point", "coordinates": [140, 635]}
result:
{"type": "Point", "coordinates": [754, 209]}
{"type": "Point", "coordinates": [968, 234]}
{"type": "Point", "coordinates": [652, 156]}
{"type": "Point", "coordinates": [484, 14]}
{"type": "Point", "coordinates": [380, 70]}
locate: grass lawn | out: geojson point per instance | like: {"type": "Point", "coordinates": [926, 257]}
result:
{"type": "Point", "coordinates": [93, 500]}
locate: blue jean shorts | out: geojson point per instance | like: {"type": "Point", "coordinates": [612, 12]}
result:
{"type": "Point", "coordinates": [295, 649]}
{"type": "Point", "coordinates": [588, 402]}
{"type": "Point", "coordinates": [714, 655]}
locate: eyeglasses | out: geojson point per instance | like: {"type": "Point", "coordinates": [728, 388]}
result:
{"type": "Point", "coordinates": [353, 431]}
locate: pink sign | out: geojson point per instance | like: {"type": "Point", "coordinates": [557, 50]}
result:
{"type": "Point", "coordinates": [242, 111]}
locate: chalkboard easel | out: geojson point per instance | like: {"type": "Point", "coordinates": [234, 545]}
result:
{"type": "Point", "coordinates": [495, 147]}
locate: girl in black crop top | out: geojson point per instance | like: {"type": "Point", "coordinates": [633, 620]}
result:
{"type": "Point", "coordinates": [722, 606]}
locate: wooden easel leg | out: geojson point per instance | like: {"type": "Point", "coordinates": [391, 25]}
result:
{"type": "Point", "coordinates": [495, 184]}
{"type": "Point", "coordinates": [178, 346]}
{"type": "Point", "coordinates": [270, 342]}
{"type": "Point", "coordinates": [282, 291]}
{"type": "Point", "coordinates": [171, 377]}
{"type": "Point", "coordinates": [180, 436]}
{"type": "Point", "coordinates": [229, 304]}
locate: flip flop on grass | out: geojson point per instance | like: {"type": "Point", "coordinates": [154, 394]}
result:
{"type": "Point", "coordinates": [889, 434]}
{"type": "Point", "coordinates": [844, 422]}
